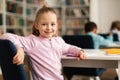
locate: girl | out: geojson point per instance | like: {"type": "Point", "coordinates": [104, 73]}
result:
{"type": "Point", "coordinates": [115, 28]}
{"type": "Point", "coordinates": [43, 47]}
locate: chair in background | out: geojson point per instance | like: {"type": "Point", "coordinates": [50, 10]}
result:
{"type": "Point", "coordinates": [85, 42]}
{"type": "Point", "coordinates": [115, 37]}
{"type": "Point", "coordinates": [10, 71]}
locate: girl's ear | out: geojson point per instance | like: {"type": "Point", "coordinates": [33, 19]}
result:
{"type": "Point", "coordinates": [36, 26]}
{"type": "Point", "coordinates": [95, 30]}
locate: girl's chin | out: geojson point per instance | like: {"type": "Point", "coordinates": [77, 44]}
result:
{"type": "Point", "coordinates": [48, 37]}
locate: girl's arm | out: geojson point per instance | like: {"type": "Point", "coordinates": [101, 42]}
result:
{"type": "Point", "coordinates": [105, 42]}
{"type": "Point", "coordinates": [19, 57]}
{"type": "Point", "coordinates": [13, 38]}
{"type": "Point", "coordinates": [110, 37]}
{"type": "Point", "coordinates": [72, 50]}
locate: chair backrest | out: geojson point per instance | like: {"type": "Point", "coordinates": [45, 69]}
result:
{"type": "Point", "coordinates": [83, 41]}
{"type": "Point", "coordinates": [10, 71]}
{"type": "Point", "coordinates": [115, 37]}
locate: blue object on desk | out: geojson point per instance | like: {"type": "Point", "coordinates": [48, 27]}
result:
{"type": "Point", "coordinates": [10, 71]}
{"type": "Point", "coordinates": [86, 42]}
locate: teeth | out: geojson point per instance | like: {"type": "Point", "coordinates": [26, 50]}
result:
{"type": "Point", "coordinates": [48, 32]}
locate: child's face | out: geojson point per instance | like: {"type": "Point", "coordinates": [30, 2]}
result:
{"type": "Point", "coordinates": [47, 25]}
{"type": "Point", "coordinates": [95, 30]}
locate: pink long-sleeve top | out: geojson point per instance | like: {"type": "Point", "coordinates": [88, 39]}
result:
{"type": "Point", "coordinates": [44, 54]}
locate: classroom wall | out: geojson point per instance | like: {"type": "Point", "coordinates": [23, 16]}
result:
{"type": "Point", "coordinates": [103, 12]}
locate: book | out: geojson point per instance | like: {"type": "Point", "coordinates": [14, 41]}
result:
{"type": "Point", "coordinates": [1, 20]}
{"type": "Point", "coordinates": [112, 51]}
{"type": "Point", "coordinates": [76, 2]}
{"type": "Point", "coordinates": [87, 2]}
{"type": "Point", "coordinates": [16, 31]}
{"type": "Point", "coordinates": [77, 12]}
{"type": "Point", "coordinates": [85, 12]}
{"type": "Point", "coordinates": [1, 5]}
{"type": "Point", "coordinates": [68, 2]}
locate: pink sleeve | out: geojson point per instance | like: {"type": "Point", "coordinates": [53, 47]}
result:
{"type": "Point", "coordinates": [13, 38]}
{"type": "Point", "coordinates": [68, 49]}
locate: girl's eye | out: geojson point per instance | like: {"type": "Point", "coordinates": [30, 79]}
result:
{"type": "Point", "coordinates": [43, 24]}
{"type": "Point", "coordinates": [53, 24]}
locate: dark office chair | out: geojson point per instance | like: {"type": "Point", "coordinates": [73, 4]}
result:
{"type": "Point", "coordinates": [115, 37]}
{"type": "Point", "coordinates": [10, 71]}
{"type": "Point", "coordinates": [83, 41]}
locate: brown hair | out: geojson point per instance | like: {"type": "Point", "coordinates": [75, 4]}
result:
{"type": "Point", "coordinates": [40, 12]}
{"type": "Point", "coordinates": [115, 25]}
{"type": "Point", "coordinates": [90, 26]}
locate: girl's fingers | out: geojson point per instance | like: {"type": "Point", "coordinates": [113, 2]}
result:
{"type": "Point", "coordinates": [17, 60]}
{"type": "Point", "coordinates": [82, 56]}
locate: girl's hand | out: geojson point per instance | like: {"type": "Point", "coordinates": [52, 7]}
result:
{"type": "Point", "coordinates": [81, 55]}
{"type": "Point", "coordinates": [19, 57]}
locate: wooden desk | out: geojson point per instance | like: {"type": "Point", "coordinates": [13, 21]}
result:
{"type": "Point", "coordinates": [95, 59]}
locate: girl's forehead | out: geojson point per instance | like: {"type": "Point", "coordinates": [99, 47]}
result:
{"type": "Point", "coordinates": [48, 16]}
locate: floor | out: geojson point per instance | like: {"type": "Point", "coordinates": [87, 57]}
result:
{"type": "Point", "coordinates": [108, 75]}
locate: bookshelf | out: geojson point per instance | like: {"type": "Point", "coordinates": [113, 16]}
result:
{"type": "Point", "coordinates": [75, 14]}
{"type": "Point", "coordinates": [17, 16]}
{"type": "Point", "coordinates": [12, 16]}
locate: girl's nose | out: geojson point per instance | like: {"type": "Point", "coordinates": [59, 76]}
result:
{"type": "Point", "coordinates": [49, 26]}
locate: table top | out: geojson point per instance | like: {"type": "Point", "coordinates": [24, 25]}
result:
{"type": "Point", "coordinates": [96, 54]}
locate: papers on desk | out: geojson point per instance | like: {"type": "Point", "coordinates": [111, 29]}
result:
{"type": "Point", "coordinates": [94, 52]}
{"type": "Point", "coordinates": [101, 52]}
{"type": "Point", "coordinates": [115, 45]}
{"type": "Point", "coordinates": [112, 51]}
{"type": "Point", "coordinates": [117, 42]}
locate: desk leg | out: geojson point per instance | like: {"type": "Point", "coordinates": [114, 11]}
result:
{"type": "Point", "coordinates": [0, 71]}
{"type": "Point", "coordinates": [118, 70]}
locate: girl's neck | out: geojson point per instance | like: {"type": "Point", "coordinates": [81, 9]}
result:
{"type": "Point", "coordinates": [45, 37]}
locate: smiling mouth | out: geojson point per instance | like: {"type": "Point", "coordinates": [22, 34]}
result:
{"type": "Point", "coordinates": [48, 32]}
